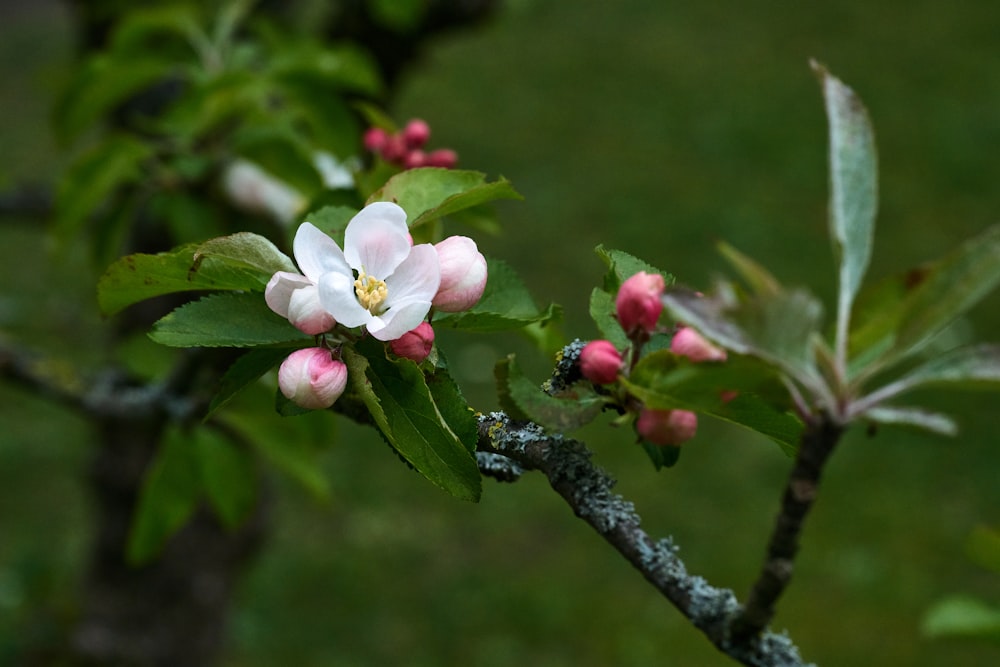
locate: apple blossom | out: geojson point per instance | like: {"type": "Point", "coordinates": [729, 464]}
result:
{"type": "Point", "coordinates": [312, 378]}
{"type": "Point", "coordinates": [600, 362]}
{"type": "Point", "coordinates": [689, 343]}
{"type": "Point", "coordinates": [638, 303]}
{"type": "Point", "coordinates": [666, 427]}
{"type": "Point", "coordinates": [463, 274]}
{"type": "Point", "coordinates": [254, 190]}
{"type": "Point", "coordinates": [378, 281]}
{"type": "Point", "coordinates": [415, 344]}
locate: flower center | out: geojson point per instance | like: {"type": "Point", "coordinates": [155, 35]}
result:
{"type": "Point", "coordinates": [371, 292]}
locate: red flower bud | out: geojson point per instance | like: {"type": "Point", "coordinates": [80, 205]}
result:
{"type": "Point", "coordinates": [312, 378]}
{"type": "Point", "coordinates": [442, 157]}
{"type": "Point", "coordinates": [689, 343]}
{"type": "Point", "coordinates": [415, 158]}
{"type": "Point", "coordinates": [416, 133]}
{"type": "Point", "coordinates": [666, 427]}
{"type": "Point", "coordinates": [375, 139]}
{"type": "Point", "coordinates": [600, 362]}
{"type": "Point", "coordinates": [415, 344]}
{"type": "Point", "coordinates": [638, 302]}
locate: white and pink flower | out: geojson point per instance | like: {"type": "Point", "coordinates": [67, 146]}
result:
{"type": "Point", "coordinates": [378, 281]}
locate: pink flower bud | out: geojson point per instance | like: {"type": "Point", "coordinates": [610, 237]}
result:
{"type": "Point", "coordinates": [666, 427]}
{"type": "Point", "coordinates": [600, 362]}
{"type": "Point", "coordinates": [415, 158]}
{"type": "Point", "coordinates": [415, 344]}
{"type": "Point", "coordinates": [394, 149]}
{"type": "Point", "coordinates": [416, 133]}
{"type": "Point", "coordinates": [312, 378]}
{"type": "Point", "coordinates": [463, 274]}
{"type": "Point", "coordinates": [689, 343]}
{"type": "Point", "coordinates": [638, 302]}
{"type": "Point", "coordinates": [442, 157]}
{"type": "Point", "coordinates": [375, 139]}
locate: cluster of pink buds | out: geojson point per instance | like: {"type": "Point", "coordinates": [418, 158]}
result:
{"type": "Point", "coordinates": [406, 148]}
{"type": "Point", "coordinates": [638, 307]}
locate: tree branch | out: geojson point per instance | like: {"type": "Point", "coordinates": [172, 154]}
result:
{"type": "Point", "coordinates": [588, 491]}
{"type": "Point", "coordinates": [818, 442]}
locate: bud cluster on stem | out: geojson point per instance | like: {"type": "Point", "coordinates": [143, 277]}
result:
{"type": "Point", "coordinates": [638, 307]}
{"type": "Point", "coordinates": [405, 148]}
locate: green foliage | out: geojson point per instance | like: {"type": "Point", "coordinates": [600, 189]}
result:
{"type": "Point", "coordinates": [225, 320]}
{"type": "Point", "coordinates": [429, 193]}
{"type": "Point", "coordinates": [169, 496]}
{"type": "Point", "coordinates": [404, 409]}
{"type": "Point", "coordinates": [664, 381]}
{"type": "Point", "coordinates": [853, 193]}
{"type": "Point", "coordinates": [523, 399]}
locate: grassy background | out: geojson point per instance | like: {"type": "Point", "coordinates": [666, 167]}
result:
{"type": "Point", "coordinates": [655, 127]}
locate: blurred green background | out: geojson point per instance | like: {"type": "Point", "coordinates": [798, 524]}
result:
{"type": "Point", "coordinates": [655, 127]}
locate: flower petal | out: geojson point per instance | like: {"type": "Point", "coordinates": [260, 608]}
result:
{"type": "Point", "coordinates": [278, 293]}
{"type": "Point", "coordinates": [316, 253]}
{"type": "Point", "coordinates": [417, 278]}
{"type": "Point", "coordinates": [376, 239]}
{"type": "Point", "coordinates": [397, 321]}
{"type": "Point", "coordinates": [336, 294]}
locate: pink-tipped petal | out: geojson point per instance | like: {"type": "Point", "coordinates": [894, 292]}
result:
{"type": "Point", "coordinates": [279, 290]}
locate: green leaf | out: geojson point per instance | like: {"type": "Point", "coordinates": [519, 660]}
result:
{"type": "Point", "coordinates": [602, 311]}
{"type": "Point", "coordinates": [404, 410]}
{"type": "Point", "coordinates": [895, 415]}
{"type": "Point", "coordinates": [244, 372]}
{"type": "Point", "coordinates": [853, 192]}
{"type": "Point", "coordinates": [976, 366]}
{"type": "Point", "coordinates": [94, 177]}
{"type": "Point", "coordinates": [332, 220]}
{"type": "Point", "coordinates": [454, 409]}
{"type": "Point", "coordinates": [962, 616]}
{"type": "Point", "coordinates": [139, 277]}
{"type": "Point", "coordinates": [756, 276]}
{"type": "Point", "coordinates": [780, 329]}
{"type": "Point", "coordinates": [664, 381]}
{"type": "Point", "coordinates": [293, 446]}
{"type": "Point", "coordinates": [246, 250]}
{"type": "Point", "coordinates": [622, 266]}
{"type": "Point", "coordinates": [225, 320]}
{"type": "Point", "coordinates": [661, 456]}
{"type": "Point", "coordinates": [228, 474]}
{"type": "Point", "coordinates": [950, 289]}
{"type": "Point", "coordinates": [169, 496]}
{"type": "Point", "coordinates": [429, 193]}
{"type": "Point", "coordinates": [522, 397]}
{"type": "Point", "coordinates": [506, 304]}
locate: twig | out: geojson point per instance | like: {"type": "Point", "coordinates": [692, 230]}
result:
{"type": "Point", "coordinates": [588, 491]}
{"type": "Point", "coordinates": [818, 442]}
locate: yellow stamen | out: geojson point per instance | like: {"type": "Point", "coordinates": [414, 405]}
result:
{"type": "Point", "coordinates": [371, 292]}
